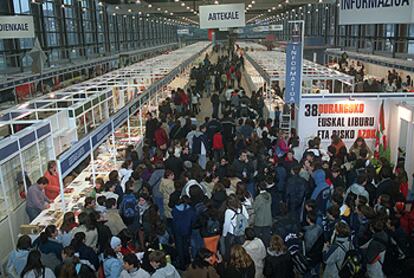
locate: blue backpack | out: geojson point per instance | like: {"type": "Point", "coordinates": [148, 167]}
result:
{"type": "Point", "coordinates": [129, 207]}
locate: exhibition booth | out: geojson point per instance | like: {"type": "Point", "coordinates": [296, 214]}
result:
{"type": "Point", "coordinates": [350, 115]}
{"type": "Point", "coordinates": [90, 123]}
{"type": "Point", "coordinates": [357, 115]}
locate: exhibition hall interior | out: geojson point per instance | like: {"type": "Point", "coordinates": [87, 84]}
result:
{"type": "Point", "coordinates": [201, 138]}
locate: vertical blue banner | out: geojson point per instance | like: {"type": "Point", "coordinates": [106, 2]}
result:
{"type": "Point", "coordinates": [293, 81]}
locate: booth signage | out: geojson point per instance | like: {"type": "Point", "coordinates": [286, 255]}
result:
{"type": "Point", "coordinates": [278, 27]}
{"type": "Point", "coordinates": [376, 11]}
{"type": "Point", "coordinates": [348, 119]}
{"type": "Point", "coordinates": [27, 139]}
{"type": "Point", "coordinates": [183, 31]}
{"type": "Point", "coordinates": [293, 77]}
{"type": "Point", "coordinates": [8, 150]}
{"type": "Point", "coordinates": [101, 134]}
{"type": "Point", "coordinates": [16, 27]}
{"type": "Point", "coordinates": [219, 16]}
{"type": "Point", "coordinates": [120, 119]}
{"type": "Point", "coordinates": [73, 159]}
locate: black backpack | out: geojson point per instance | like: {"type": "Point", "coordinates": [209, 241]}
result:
{"type": "Point", "coordinates": [352, 266]}
{"type": "Point", "coordinates": [393, 257]}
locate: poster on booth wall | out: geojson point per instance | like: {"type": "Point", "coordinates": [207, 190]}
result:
{"type": "Point", "coordinates": [349, 119]}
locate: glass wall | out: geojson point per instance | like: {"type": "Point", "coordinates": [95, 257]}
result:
{"type": "Point", "coordinates": [74, 29]}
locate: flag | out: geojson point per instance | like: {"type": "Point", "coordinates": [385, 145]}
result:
{"type": "Point", "coordinates": [380, 138]}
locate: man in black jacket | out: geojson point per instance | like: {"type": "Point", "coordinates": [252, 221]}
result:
{"type": "Point", "coordinates": [229, 132]}
{"type": "Point", "coordinates": [174, 163]}
{"type": "Point", "coordinates": [215, 100]}
{"type": "Point", "coordinates": [150, 126]}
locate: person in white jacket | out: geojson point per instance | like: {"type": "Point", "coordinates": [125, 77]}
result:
{"type": "Point", "coordinates": [235, 222]}
{"type": "Point", "coordinates": [132, 268]}
{"type": "Point", "coordinates": [162, 268]}
{"type": "Point", "coordinates": [255, 247]}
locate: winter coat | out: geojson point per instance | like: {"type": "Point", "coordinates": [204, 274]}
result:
{"type": "Point", "coordinates": [135, 273]}
{"type": "Point", "coordinates": [16, 262]}
{"type": "Point", "coordinates": [257, 251]}
{"type": "Point", "coordinates": [229, 129]}
{"type": "Point", "coordinates": [262, 209]}
{"type": "Point", "coordinates": [321, 194]}
{"type": "Point", "coordinates": [174, 164]}
{"type": "Point", "coordinates": [295, 195]}
{"type": "Point", "coordinates": [239, 167]}
{"type": "Point", "coordinates": [88, 254]}
{"type": "Point", "coordinates": [278, 265]}
{"type": "Point", "coordinates": [161, 137]}
{"type": "Point", "coordinates": [112, 267]}
{"type": "Point", "coordinates": [114, 221]}
{"type": "Point", "coordinates": [218, 141]}
{"type": "Point", "coordinates": [183, 218]}
{"type": "Point", "coordinates": [155, 181]}
{"type": "Point", "coordinates": [205, 272]}
{"type": "Point", "coordinates": [167, 271]}
{"type": "Point", "coordinates": [199, 140]}
{"type": "Point", "coordinates": [335, 256]}
{"type": "Point", "coordinates": [166, 189]}
{"type": "Point", "coordinates": [311, 235]}
{"type": "Point", "coordinates": [375, 254]}
{"type": "Point", "coordinates": [389, 187]}
{"type": "Point", "coordinates": [50, 246]}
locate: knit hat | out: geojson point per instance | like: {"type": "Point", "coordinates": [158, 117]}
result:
{"type": "Point", "coordinates": [115, 242]}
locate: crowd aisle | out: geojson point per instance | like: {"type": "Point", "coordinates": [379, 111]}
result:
{"type": "Point", "coordinates": [223, 192]}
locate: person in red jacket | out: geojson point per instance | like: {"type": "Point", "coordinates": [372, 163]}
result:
{"type": "Point", "coordinates": [161, 137]}
{"type": "Point", "coordinates": [218, 146]}
{"type": "Point", "coordinates": [52, 190]}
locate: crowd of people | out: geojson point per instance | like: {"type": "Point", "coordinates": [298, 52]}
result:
{"type": "Point", "coordinates": [230, 197]}
{"type": "Point", "coordinates": [393, 82]}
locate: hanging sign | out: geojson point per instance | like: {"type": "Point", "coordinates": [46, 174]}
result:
{"type": "Point", "coordinates": [218, 16]}
{"type": "Point", "coordinates": [16, 27]}
{"type": "Point", "coordinates": [71, 159]}
{"type": "Point", "coordinates": [183, 31]}
{"type": "Point", "coordinates": [349, 119]}
{"type": "Point", "coordinates": [293, 77]}
{"type": "Point", "coordinates": [278, 27]}
{"type": "Point", "coordinates": [375, 11]}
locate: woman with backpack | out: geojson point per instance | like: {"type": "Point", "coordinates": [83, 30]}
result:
{"type": "Point", "coordinates": [335, 254]}
{"type": "Point", "coordinates": [235, 222]}
{"type": "Point", "coordinates": [210, 228]}
{"type": "Point", "coordinates": [34, 267]}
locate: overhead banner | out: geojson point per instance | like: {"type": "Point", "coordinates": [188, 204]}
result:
{"type": "Point", "coordinates": [278, 27]}
{"type": "Point", "coordinates": [376, 11]}
{"type": "Point", "coordinates": [183, 31]}
{"type": "Point", "coordinates": [16, 27]}
{"type": "Point", "coordinates": [349, 119]}
{"type": "Point", "coordinates": [293, 79]}
{"type": "Point", "coordinates": [221, 16]}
